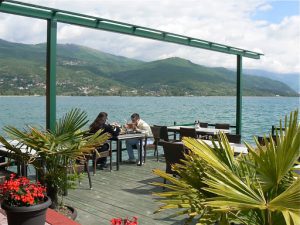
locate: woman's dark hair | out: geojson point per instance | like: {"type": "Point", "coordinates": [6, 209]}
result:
{"type": "Point", "coordinates": [96, 125]}
{"type": "Point", "coordinates": [135, 116]}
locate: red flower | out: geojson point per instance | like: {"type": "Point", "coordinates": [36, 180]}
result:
{"type": "Point", "coordinates": [116, 221]}
{"type": "Point", "coordinates": [119, 221]}
{"type": "Point", "coordinates": [20, 192]}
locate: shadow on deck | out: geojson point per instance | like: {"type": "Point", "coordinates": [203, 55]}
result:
{"type": "Point", "coordinates": [123, 193]}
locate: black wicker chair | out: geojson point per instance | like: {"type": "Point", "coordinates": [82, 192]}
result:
{"type": "Point", "coordinates": [187, 132]}
{"type": "Point", "coordinates": [224, 126]}
{"type": "Point", "coordinates": [234, 138]}
{"type": "Point", "coordinates": [174, 153]}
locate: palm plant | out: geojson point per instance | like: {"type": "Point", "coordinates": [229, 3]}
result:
{"type": "Point", "coordinates": [258, 188]}
{"type": "Point", "coordinates": [54, 153]}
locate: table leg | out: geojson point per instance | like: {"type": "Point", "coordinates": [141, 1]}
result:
{"type": "Point", "coordinates": [110, 156]}
{"type": "Point", "coordinates": [145, 149]}
{"type": "Point", "coordinates": [118, 154]}
{"type": "Point", "coordinates": [141, 151]}
{"type": "Point", "coordinates": [121, 158]}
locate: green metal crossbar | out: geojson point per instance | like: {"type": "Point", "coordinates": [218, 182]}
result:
{"type": "Point", "coordinates": [55, 15]}
{"type": "Point", "coordinates": [30, 10]}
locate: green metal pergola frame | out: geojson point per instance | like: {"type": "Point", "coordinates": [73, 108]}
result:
{"type": "Point", "coordinates": [53, 16]}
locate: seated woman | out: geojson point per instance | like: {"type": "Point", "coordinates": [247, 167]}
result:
{"type": "Point", "coordinates": [98, 124]}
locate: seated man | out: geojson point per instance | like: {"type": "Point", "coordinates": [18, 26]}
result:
{"type": "Point", "coordinates": [141, 126]}
{"type": "Point", "coordinates": [100, 123]}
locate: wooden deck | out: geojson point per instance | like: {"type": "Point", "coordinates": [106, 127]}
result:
{"type": "Point", "coordinates": [123, 193]}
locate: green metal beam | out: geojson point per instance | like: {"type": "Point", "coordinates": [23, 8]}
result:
{"type": "Point", "coordinates": [51, 75]}
{"type": "Point", "coordinates": [239, 95]}
{"type": "Point", "coordinates": [35, 11]}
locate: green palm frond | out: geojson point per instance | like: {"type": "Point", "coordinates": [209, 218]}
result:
{"type": "Point", "coordinates": [260, 188]}
{"type": "Point", "coordinates": [71, 122]}
{"type": "Point", "coordinates": [291, 217]}
{"type": "Point", "coordinates": [58, 150]}
{"type": "Point", "coordinates": [206, 153]}
{"type": "Point", "coordinates": [183, 194]}
{"type": "Point", "coordinates": [272, 161]}
{"type": "Point", "coordinates": [287, 200]}
{"type": "Point", "coordinates": [222, 178]}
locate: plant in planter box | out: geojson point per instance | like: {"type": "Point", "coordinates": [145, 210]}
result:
{"type": "Point", "coordinates": [54, 153]}
{"type": "Point", "coordinates": [23, 201]}
{"type": "Point", "coordinates": [260, 188]}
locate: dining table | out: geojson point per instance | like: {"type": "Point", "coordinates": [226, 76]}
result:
{"type": "Point", "coordinates": [207, 130]}
{"type": "Point", "coordinates": [199, 130]}
{"type": "Point", "coordinates": [124, 137]}
{"type": "Point", "coordinates": [237, 148]}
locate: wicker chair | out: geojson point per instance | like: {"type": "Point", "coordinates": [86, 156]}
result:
{"type": "Point", "coordinates": [188, 132]}
{"type": "Point", "coordinates": [224, 126]}
{"type": "Point", "coordinates": [156, 136]}
{"type": "Point", "coordinates": [174, 152]}
{"type": "Point", "coordinates": [81, 166]}
{"type": "Point", "coordinates": [101, 154]}
{"type": "Point", "coordinates": [203, 125]}
{"type": "Point", "coordinates": [234, 138]}
{"type": "Point", "coordinates": [261, 139]}
{"type": "Point", "coordinates": [163, 134]}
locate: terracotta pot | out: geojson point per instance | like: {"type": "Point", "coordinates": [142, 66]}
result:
{"type": "Point", "coordinates": [31, 215]}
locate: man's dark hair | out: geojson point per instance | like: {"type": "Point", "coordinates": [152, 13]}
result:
{"type": "Point", "coordinates": [135, 116]}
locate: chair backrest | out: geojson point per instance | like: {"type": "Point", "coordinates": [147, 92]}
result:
{"type": "Point", "coordinates": [234, 138]}
{"type": "Point", "coordinates": [174, 152]}
{"type": "Point", "coordinates": [163, 133]}
{"type": "Point", "coordinates": [261, 140]}
{"type": "Point", "coordinates": [156, 133]}
{"type": "Point", "coordinates": [204, 125]}
{"type": "Point", "coordinates": [187, 132]}
{"type": "Point", "coordinates": [224, 126]}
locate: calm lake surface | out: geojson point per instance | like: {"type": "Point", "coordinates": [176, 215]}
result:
{"type": "Point", "coordinates": [259, 113]}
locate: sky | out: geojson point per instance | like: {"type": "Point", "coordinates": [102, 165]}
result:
{"type": "Point", "coordinates": [271, 27]}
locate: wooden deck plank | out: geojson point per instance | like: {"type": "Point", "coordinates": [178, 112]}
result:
{"type": "Point", "coordinates": [123, 193]}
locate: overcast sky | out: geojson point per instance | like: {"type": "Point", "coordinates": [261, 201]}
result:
{"type": "Point", "coordinates": [269, 27]}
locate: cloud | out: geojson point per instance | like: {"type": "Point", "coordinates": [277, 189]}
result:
{"type": "Point", "coordinates": [224, 21]}
{"type": "Point", "coordinates": [264, 7]}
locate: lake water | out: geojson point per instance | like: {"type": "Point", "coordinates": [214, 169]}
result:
{"type": "Point", "coordinates": [259, 113]}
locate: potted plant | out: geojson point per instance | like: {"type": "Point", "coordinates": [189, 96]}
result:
{"type": "Point", "coordinates": [260, 188]}
{"type": "Point", "coordinates": [24, 202]}
{"type": "Point", "coordinates": [54, 153]}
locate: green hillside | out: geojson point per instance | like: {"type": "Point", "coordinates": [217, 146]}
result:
{"type": "Point", "coordinates": [85, 71]}
{"type": "Point", "coordinates": [178, 76]}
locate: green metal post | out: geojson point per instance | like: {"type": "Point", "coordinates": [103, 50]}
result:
{"type": "Point", "coordinates": [51, 74]}
{"type": "Point", "coordinates": [239, 95]}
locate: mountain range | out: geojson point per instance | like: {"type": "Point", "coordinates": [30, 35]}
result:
{"type": "Point", "coordinates": [85, 71]}
{"type": "Point", "coordinates": [291, 79]}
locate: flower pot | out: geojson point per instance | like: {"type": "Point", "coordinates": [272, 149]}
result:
{"type": "Point", "coordinates": [31, 215]}
{"type": "Point", "coordinates": [74, 212]}
{"type": "Point", "coordinates": [67, 211]}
